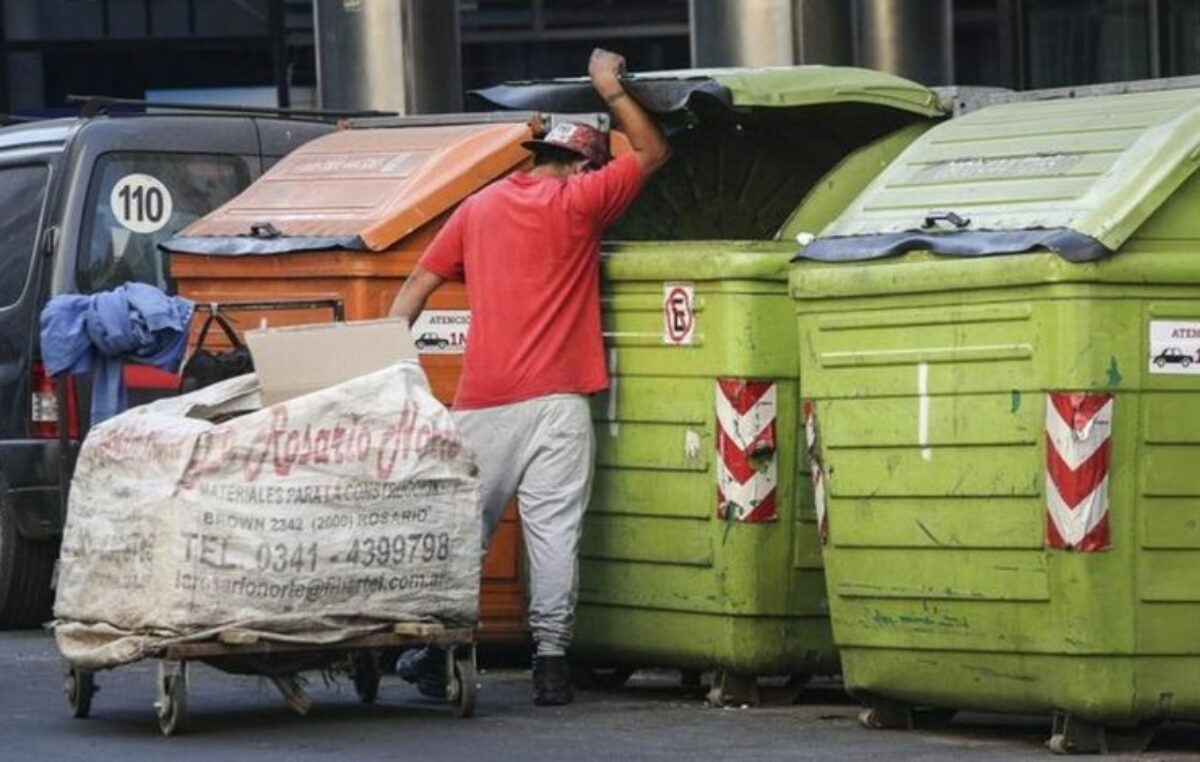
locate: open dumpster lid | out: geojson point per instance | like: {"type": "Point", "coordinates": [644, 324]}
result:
{"type": "Point", "coordinates": [358, 189]}
{"type": "Point", "coordinates": [748, 145]}
{"type": "Point", "coordinates": [775, 87]}
{"type": "Point", "coordinates": [1077, 177]}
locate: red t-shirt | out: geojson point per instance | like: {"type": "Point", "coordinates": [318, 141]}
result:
{"type": "Point", "coordinates": [528, 248]}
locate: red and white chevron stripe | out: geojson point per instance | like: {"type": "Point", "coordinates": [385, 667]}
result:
{"type": "Point", "coordinates": [1078, 453]}
{"type": "Point", "coordinates": [747, 475]}
{"type": "Point", "coordinates": [816, 469]}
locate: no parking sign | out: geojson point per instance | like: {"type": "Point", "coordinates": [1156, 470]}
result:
{"type": "Point", "coordinates": [679, 313]}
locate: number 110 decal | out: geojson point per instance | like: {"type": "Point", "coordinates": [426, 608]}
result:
{"type": "Point", "coordinates": [141, 203]}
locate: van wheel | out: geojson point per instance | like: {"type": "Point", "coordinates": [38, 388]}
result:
{"type": "Point", "coordinates": [26, 567]}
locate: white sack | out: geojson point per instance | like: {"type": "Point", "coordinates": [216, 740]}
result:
{"type": "Point", "coordinates": [318, 519]}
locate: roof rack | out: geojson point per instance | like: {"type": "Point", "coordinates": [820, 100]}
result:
{"type": "Point", "coordinates": [446, 120]}
{"type": "Point", "coordinates": [539, 121]}
{"type": "Point", "coordinates": [94, 105]}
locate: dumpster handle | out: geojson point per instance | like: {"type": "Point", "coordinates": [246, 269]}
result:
{"type": "Point", "coordinates": [264, 230]}
{"type": "Point", "coordinates": [933, 218]}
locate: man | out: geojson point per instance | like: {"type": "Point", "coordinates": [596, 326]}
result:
{"type": "Point", "coordinates": [528, 249]}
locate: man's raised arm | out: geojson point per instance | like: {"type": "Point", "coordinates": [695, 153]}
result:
{"type": "Point", "coordinates": [649, 145]}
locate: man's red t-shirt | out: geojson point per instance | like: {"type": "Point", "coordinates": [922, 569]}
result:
{"type": "Point", "coordinates": [528, 248]}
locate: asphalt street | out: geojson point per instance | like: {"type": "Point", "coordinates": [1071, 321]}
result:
{"type": "Point", "coordinates": [235, 718]}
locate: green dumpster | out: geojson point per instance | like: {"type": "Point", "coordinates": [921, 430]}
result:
{"type": "Point", "coordinates": [1000, 344]}
{"type": "Point", "coordinates": [699, 550]}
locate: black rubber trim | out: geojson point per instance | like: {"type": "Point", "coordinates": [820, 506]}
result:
{"type": "Point", "coordinates": [238, 246]}
{"type": "Point", "coordinates": [1071, 245]}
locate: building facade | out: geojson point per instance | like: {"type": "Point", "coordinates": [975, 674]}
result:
{"type": "Point", "coordinates": [262, 51]}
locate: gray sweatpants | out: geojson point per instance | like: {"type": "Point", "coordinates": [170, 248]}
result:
{"type": "Point", "coordinates": [542, 451]}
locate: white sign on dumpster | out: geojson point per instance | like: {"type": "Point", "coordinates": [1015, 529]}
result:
{"type": "Point", "coordinates": [441, 332]}
{"type": "Point", "coordinates": [1175, 347]}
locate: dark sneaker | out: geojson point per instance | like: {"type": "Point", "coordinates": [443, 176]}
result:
{"type": "Point", "coordinates": [551, 681]}
{"type": "Point", "coordinates": [426, 668]}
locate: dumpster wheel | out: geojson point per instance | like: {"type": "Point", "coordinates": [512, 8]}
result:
{"type": "Point", "coordinates": [885, 714]}
{"type": "Point", "coordinates": [733, 689]}
{"type": "Point", "coordinates": [1072, 735]}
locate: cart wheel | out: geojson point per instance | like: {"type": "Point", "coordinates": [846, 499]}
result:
{"type": "Point", "coordinates": [171, 705]}
{"type": "Point", "coordinates": [460, 689]}
{"type": "Point", "coordinates": [364, 666]}
{"type": "Point", "coordinates": [80, 686]}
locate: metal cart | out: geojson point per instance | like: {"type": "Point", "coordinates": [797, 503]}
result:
{"type": "Point", "coordinates": [241, 652]}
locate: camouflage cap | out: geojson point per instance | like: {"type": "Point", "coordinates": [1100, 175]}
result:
{"type": "Point", "coordinates": [585, 140]}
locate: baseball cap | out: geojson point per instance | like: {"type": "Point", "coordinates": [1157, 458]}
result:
{"type": "Point", "coordinates": [584, 139]}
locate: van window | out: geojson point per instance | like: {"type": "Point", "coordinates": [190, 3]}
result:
{"type": "Point", "coordinates": [21, 192]}
{"type": "Point", "coordinates": [137, 200]}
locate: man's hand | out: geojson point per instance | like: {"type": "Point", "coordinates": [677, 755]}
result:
{"type": "Point", "coordinates": [649, 146]}
{"type": "Point", "coordinates": [605, 67]}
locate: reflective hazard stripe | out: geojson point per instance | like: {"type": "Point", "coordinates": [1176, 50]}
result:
{"type": "Point", "coordinates": [1078, 455]}
{"type": "Point", "coordinates": [747, 473]}
{"type": "Point", "coordinates": [816, 470]}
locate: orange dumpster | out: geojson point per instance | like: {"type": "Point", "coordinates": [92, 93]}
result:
{"type": "Point", "coordinates": [346, 217]}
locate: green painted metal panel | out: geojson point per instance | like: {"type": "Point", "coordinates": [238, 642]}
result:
{"type": "Point", "coordinates": [1099, 166]}
{"type": "Point", "coordinates": [664, 580]}
{"type": "Point", "coordinates": [930, 378]}
{"type": "Point", "coordinates": [622, 537]}
{"type": "Point", "coordinates": [1000, 575]}
{"type": "Point", "coordinates": [939, 522]}
{"type": "Point", "coordinates": [621, 490]}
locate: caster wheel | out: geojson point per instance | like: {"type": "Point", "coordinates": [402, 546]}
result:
{"type": "Point", "coordinates": [886, 715]}
{"type": "Point", "coordinates": [80, 686]}
{"type": "Point", "coordinates": [460, 688]}
{"type": "Point", "coordinates": [731, 689]}
{"type": "Point", "coordinates": [366, 671]}
{"type": "Point", "coordinates": [1074, 736]}
{"type": "Point", "coordinates": [171, 705]}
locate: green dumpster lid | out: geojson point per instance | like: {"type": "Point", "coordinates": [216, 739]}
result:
{"type": "Point", "coordinates": [1073, 176]}
{"type": "Point", "coordinates": [773, 87]}
{"type": "Point", "coordinates": [748, 144]}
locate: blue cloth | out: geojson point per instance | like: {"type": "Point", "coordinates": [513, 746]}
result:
{"type": "Point", "coordinates": [100, 332]}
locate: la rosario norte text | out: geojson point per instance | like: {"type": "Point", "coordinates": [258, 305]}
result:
{"type": "Point", "coordinates": [281, 446]}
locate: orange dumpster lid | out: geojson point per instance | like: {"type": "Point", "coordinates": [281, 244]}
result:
{"type": "Point", "coordinates": [358, 189]}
